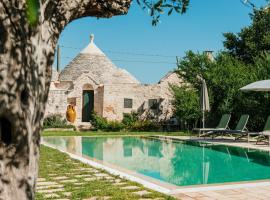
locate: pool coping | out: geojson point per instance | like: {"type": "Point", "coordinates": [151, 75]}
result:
{"type": "Point", "coordinates": [155, 184]}
{"type": "Point", "coordinates": [227, 141]}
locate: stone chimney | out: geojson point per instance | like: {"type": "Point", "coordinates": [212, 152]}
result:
{"type": "Point", "coordinates": [209, 55]}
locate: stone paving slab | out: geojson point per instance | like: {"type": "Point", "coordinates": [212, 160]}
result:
{"type": "Point", "coordinates": [51, 190]}
{"type": "Point", "coordinates": [49, 186]}
{"type": "Point", "coordinates": [119, 184]}
{"type": "Point", "coordinates": [101, 175]}
{"type": "Point", "coordinates": [68, 181]}
{"type": "Point", "coordinates": [41, 179]}
{"type": "Point", "coordinates": [67, 194]}
{"type": "Point", "coordinates": [90, 179]}
{"type": "Point", "coordinates": [83, 175]}
{"type": "Point", "coordinates": [60, 178]}
{"type": "Point", "coordinates": [46, 183]}
{"type": "Point", "coordinates": [108, 177]}
{"type": "Point", "coordinates": [141, 193]}
{"type": "Point", "coordinates": [132, 187]}
{"type": "Point", "coordinates": [255, 193]}
{"type": "Point", "coordinates": [51, 195]}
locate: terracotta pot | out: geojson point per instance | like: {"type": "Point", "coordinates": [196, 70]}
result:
{"type": "Point", "coordinates": [71, 113]}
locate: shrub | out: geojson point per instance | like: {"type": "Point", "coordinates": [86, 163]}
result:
{"type": "Point", "coordinates": [115, 126]}
{"type": "Point", "coordinates": [130, 122]}
{"type": "Point", "coordinates": [146, 125]}
{"type": "Point", "coordinates": [133, 123]}
{"type": "Point", "coordinates": [130, 118]}
{"type": "Point", "coordinates": [98, 122]}
{"type": "Point", "coordinates": [101, 123]}
{"type": "Point", "coordinates": [56, 121]}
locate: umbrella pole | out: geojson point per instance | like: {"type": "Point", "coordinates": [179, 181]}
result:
{"type": "Point", "coordinates": [203, 118]}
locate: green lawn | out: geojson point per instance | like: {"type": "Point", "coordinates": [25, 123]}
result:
{"type": "Point", "coordinates": [61, 177]}
{"type": "Point", "coordinates": [100, 133]}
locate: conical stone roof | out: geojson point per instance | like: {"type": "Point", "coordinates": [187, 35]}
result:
{"type": "Point", "coordinates": [92, 59]}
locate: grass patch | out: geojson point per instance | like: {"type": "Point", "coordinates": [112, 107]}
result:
{"type": "Point", "coordinates": [100, 133]}
{"type": "Point", "coordinates": [54, 164]}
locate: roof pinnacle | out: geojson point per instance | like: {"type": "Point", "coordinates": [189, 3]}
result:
{"type": "Point", "coordinates": [92, 38]}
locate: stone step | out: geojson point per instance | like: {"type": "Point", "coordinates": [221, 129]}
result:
{"type": "Point", "coordinates": [83, 126]}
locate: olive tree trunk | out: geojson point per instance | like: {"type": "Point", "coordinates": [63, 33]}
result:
{"type": "Point", "coordinates": [26, 56]}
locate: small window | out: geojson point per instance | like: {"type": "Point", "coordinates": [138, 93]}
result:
{"type": "Point", "coordinates": [153, 104]}
{"type": "Point", "coordinates": [127, 103]}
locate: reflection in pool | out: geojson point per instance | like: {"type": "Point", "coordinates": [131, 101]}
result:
{"type": "Point", "coordinates": [176, 162]}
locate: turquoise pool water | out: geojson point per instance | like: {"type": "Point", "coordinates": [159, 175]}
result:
{"type": "Point", "coordinates": [180, 163]}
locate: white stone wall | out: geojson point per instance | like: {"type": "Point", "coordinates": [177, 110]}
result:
{"type": "Point", "coordinates": [109, 98]}
{"type": "Point", "coordinates": [113, 107]}
{"type": "Point", "coordinates": [57, 102]}
{"type": "Point", "coordinates": [140, 94]}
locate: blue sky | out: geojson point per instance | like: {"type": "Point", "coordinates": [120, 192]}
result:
{"type": "Point", "coordinates": [130, 41]}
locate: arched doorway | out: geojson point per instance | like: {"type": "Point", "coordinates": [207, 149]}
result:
{"type": "Point", "coordinates": [87, 102]}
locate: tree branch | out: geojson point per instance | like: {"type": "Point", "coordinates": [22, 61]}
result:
{"type": "Point", "coordinates": [62, 12]}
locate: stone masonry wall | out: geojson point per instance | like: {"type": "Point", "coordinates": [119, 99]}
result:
{"type": "Point", "coordinates": [113, 106]}
{"type": "Point", "coordinates": [57, 103]}
{"type": "Point", "coordinates": [140, 94]}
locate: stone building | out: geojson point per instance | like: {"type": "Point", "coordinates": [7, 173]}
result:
{"type": "Point", "coordinates": [92, 82]}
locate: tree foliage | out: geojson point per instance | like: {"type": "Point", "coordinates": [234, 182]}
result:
{"type": "Point", "coordinates": [246, 59]}
{"type": "Point", "coordinates": [251, 41]}
{"type": "Point", "coordinates": [186, 104]}
{"type": "Point", "coordinates": [32, 11]}
{"type": "Point", "coordinates": [224, 77]}
{"type": "Point", "coordinates": [156, 8]}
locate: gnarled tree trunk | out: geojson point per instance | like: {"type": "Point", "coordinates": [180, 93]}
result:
{"type": "Point", "coordinates": [26, 56]}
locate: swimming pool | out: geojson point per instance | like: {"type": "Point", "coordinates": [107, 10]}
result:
{"type": "Point", "coordinates": [180, 163]}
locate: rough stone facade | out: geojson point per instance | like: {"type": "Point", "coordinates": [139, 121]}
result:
{"type": "Point", "coordinates": [115, 91]}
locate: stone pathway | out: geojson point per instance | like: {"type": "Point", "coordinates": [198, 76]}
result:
{"type": "Point", "coordinates": [70, 179]}
{"type": "Point", "coordinates": [258, 193]}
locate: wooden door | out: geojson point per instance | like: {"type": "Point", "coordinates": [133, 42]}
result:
{"type": "Point", "coordinates": [88, 105]}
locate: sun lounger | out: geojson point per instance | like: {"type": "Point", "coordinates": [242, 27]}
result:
{"type": "Point", "coordinates": [240, 130]}
{"type": "Point", "coordinates": [223, 125]}
{"type": "Point", "coordinates": [265, 134]}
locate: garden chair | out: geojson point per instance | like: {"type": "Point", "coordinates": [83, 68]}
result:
{"type": "Point", "coordinates": [222, 125]}
{"type": "Point", "coordinates": [265, 134]}
{"type": "Point", "coordinates": [240, 130]}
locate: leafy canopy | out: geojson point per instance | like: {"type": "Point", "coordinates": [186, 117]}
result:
{"type": "Point", "coordinates": [246, 59]}
{"type": "Point", "coordinates": [186, 105]}
{"type": "Point", "coordinates": [224, 77]}
{"type": "Point", "coordinates": [32, 11]}
{"type": "Point", "coordinates": [251, 41]}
